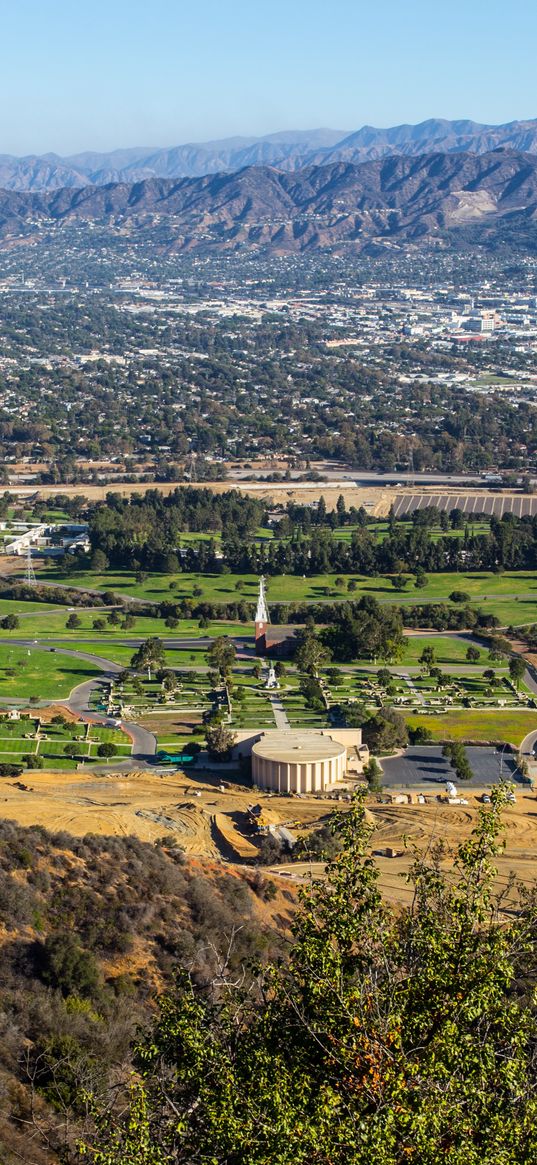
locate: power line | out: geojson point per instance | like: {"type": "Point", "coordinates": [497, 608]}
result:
{"type": "Point", "coordinates": [30, 572]}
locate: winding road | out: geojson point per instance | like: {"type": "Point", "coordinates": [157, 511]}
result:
{"type": "Point", "coordinates": [144, 743]}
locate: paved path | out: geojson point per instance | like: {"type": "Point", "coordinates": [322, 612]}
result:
{"type": "Point", "coordinates": [280, 715]}
{"type": "Point", "coordinates": [419, 695]}
{"type": "Point", "coordinates": [529, 743]}
{"type": "Point", "coordinates": [144, 744]}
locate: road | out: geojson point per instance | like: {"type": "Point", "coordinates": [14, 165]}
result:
{"type": "Point", "coordinates": [144, 744]}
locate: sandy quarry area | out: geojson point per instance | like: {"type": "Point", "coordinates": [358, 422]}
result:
{"type": "Point", "coordinates": [376, 500]}
{"type": "Point", "coordinates": [404, 828]}
{"type": "Point", "coordinates": [373, 499]}
{"type": "Point", "coordinates": [214, 824]}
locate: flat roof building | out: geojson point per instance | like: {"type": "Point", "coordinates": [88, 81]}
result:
{"type": "Point", "coordinates": [298, 762]}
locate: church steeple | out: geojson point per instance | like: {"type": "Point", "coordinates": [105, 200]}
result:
{"type": "Point", "coordinates": [261, 620]}
{"type": "Point", "coordinates": [262, 615]}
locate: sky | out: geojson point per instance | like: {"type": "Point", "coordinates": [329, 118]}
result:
{"type": "Point", "coordinates": [116, 73]}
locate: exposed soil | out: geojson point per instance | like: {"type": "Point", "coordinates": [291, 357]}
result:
{"type": "Point", "coordinates": [213, 824]}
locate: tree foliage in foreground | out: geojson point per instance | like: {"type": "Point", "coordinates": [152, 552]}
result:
{"type": "Point", "coordinates": [385, 1036]}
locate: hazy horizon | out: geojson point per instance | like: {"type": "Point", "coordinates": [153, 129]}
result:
{"type": "Point", "coordinates": [119, 74]}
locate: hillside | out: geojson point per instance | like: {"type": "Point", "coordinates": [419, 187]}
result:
{"type": "Point", "coordinates": [91, 931]}
{"type": "Point", "coordinates": [445, 198]}
{"type": "Point", "coordinates": [289, 150]}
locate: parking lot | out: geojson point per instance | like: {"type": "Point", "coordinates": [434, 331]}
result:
{"type": "Point", "coordinates": [425, 765]}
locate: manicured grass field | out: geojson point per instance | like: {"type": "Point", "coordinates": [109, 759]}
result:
{"type": "Point", "coordinates": [40, 674]}
{"type": "Point", "coordinates": [447, 649]}
{"type": "Point", "coordinates": [46, 621]}
{"type": "Point", "coordinates": [511, 596]}
{"type": "Point", "coordinates": [13, 607]}
{"type": "Point", "coordinates": [481, 727]}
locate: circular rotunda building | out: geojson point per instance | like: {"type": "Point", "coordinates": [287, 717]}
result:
{"type": "Point", "coordinates": [298, 762]}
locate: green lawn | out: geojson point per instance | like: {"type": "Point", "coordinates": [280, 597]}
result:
{"type": "Point", "coordinates": [38, 673]}
{"type": "Point", "coordinates": [481, 727]}
{"type": "Point", "coordinates": [511, 596]}
{"type": "Point", "coordinates": [448, 649]}
{"type": "Point", "coordinates": [55, 746]}
{"type": "Point", "coordinates": [14, 607]}
{"type": "Point", "coordinates": [44, 621]}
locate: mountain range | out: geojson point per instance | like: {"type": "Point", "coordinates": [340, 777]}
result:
{"type": "Point", "coordinates": [340, 205]}
{"type": "Point", "coordinates": [288, 151]}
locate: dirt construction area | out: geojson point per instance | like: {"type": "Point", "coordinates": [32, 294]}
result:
{"type": "Point", "coordinates": [211, 823]}
{"type": "Point", "coordinates": [400, 830]}
{"type": "Point", "coordinates": [204, 820]}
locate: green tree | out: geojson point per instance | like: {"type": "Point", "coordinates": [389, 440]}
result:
{"type": "Point", "coordinates": [473, 655]}
{"type": "Point", "coordinates": [149, 655]}
{"type": "Point", "coordinates": [385, 1036]}
{"type": "Point", "coordinates": [11, 622]}
{"type": "Point", "coordinates": [64, 964]}
{"type": "Point", "coordinates": [458, 758]}
{"type": "Point", "coordinates": [517, 670]}
{"type": "Point", "coordinates": [107, 749]}
{"type": "Point", "coordinates": [219, 740]}
{"type": "Point", "coordinates": [99, 561]}
{"type": "Point", "coordinates": [427, 658]}
{"type": "Point", "coordinates": [385, 731]}
{"type": "Point", "coordinates": [311, 653]}
{"type": "Point", "coordinates": [373, 775]}
{"type": "Point", "coordinates": [221, 655]}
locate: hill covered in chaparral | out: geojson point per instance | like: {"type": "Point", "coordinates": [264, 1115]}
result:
{"type": "Point", "coordinates": [92, 930]}
{"type": "Point", "coordinates": [442, 198]}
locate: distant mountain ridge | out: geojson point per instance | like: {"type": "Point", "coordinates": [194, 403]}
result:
{"type": "Point", "coordinates": [341, 206]}
{"type": "Point", "coordinates": [289, 151]}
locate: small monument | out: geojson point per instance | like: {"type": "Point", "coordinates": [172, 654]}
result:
{"type": "Point", "coordinates": [272, 681]}
{"type": "Point", "coordinates": [261, 620]}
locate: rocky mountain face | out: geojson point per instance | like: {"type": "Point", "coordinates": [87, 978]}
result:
{"type": "Point", "coordinates": [289, 151]}
{"type": "Point", "coordinates": [340, 205]}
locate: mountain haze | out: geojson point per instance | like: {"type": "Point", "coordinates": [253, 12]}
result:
{"type": "Point", "coordinates": [289, 151]}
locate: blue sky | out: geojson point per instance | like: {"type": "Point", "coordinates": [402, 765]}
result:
{"type": "Point", "coordinates": [109, 73]}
